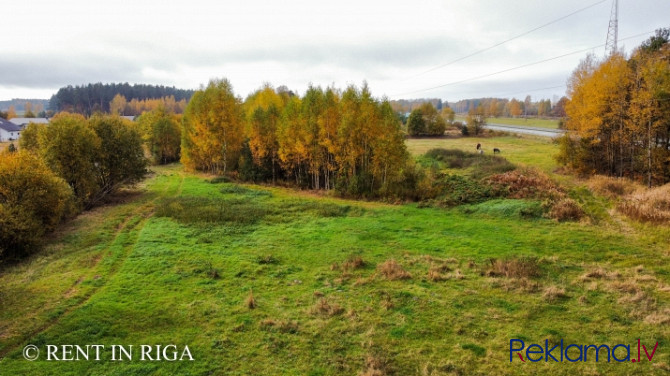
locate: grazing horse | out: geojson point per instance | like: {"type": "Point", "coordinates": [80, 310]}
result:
{"type": "Point", "coordinates": [496, 150]}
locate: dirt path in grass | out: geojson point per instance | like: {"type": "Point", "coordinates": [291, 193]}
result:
{"type": "Point", "coordinates": [134, 221]}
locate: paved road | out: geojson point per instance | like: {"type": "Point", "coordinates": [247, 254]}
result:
{"type": "Point", "coordinates": [544, 132]}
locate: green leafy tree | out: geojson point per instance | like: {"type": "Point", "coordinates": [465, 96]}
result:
{"type": "Point", "coordinates": [71, 148]}
{"type": "Point", "coordinates": [29, 137]}
{"type": "Point", "coordinates": [416, 126]}
{"type": "Point", "coordinates": [120, 159]}
{"type": "Point", "coordinates": [161, 132]}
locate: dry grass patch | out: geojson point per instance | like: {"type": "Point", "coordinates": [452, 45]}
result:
{"type": "Point", "coordinates": [565, 209]}
{"type": "Point", "coordinates": [323, 307]}
{"type": "Point", "coordinates": [612, 187]}
{"type": "Point", "coordinates": [353, 263]}
{"type": "Point", "coordinates": [599, 273]}
{"type": "Point", "coordinates": [284, 326]}
{"type": "Point", "coordinates": [659, 318]}
{"type": "Point", "coordinates": [375, 365]}
{"type": "Point", "coordinates": [457, 275]}
{"type": "Point", "coordinates": [652, 205]}
{"type": "Point", "coordinates": [526, 267]}
{"type": "Point", "coordinates": [436, 272]}
{"type": "Point", "coordinates": [553, 293]}
{"type": "Point", "coordinates": [392, 271]}
{"type": "Point", "coordinates": [250, 302]}
{"type": "Point", "coordinates": [627, 286]}
{"type": "Point", "coordinates": [526, 183]}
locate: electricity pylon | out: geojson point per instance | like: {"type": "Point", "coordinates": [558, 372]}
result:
{"type": "Point", "coordinates": [613, 30]}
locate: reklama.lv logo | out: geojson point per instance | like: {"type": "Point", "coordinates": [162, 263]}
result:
{"type": "Point", "coordinates": [577, 353]}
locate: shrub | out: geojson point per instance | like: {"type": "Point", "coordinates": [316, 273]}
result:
{"type": "Point", "coordinates": [526, 183]}
{"type": "Point", "coordinates": [565, 209]}
{"type": "Point", "coordinates": [456, 190]}
{"type": "Point", "coordinates": [33, 200]}
{"type": "Point", "coordinates": [71, 148]}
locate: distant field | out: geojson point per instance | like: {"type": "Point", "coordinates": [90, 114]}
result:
{"type": "Point", "coordinates": [180, 263]}
{"type": "Point", "coordinates": [529, 151]}
{"type": "Point", "coordinates": [529, 122]}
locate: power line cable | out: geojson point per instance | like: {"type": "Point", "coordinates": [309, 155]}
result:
{"type": "Point", "coordinates": [514, 68]}
{"type": "Point", "coordinates": [510, 39]}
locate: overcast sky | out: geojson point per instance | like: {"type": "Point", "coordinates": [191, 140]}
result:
{"type": "Point", "coordinates": [393, 45]}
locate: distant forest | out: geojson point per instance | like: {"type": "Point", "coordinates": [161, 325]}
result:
{"type": "Point", "coordinates": [97, 97]}
{"type": "Point", "coordinates": [20, 103]}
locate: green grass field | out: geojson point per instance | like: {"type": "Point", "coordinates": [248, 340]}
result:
{"type": "Point", "coordinates": [528, 122]}
{"type": "Point", "coordinates": [178, 261]}
{"type": "Point", "coordinates": [529, 151]}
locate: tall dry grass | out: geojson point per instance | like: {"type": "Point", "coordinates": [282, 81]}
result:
{"type": "Point", "coordinates": [652, 205]}
{"type": "Point", "coordinates": [612, 187]}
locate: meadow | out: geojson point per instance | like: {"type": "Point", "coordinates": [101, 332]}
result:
{"type": "Point", "coordinates": [527, 122]}
{"type": "Point", "coordinates": [274, 281]}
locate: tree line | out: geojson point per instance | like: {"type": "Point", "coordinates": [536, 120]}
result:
{"type": "Point", "coordinates": [92, 98]}
{"type": "Point", "coordinates": [327, 139]}
{"type": "Point", "coordinates": [619, 110]}
{"type": "Point", "coordinates": [60, 170]}
{"type": "Point", "coordinates": [497, 107]}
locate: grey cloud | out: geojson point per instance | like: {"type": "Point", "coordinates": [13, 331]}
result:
{"type": "Point", "coordinates": [46, 71]}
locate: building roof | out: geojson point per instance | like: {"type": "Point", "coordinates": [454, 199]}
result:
{"type": "Point", "coordinates": [9, 126]}
{"type": "Point", "coordinates": [24, 121]}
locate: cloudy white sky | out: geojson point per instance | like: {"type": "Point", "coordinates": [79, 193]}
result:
{"type": "Point", "coordinates": [393, 45]}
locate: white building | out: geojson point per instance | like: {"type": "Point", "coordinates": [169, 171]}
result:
{"type": "Point", "coordinates": [23, 122]}
{"type": "Point", "coordinates": [9, 131]}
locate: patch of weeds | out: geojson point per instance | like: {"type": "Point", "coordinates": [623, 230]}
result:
{"type": "Point", "coordinates": [320, 209]}
{"type": "Point", "coordinates": [553, 293]}
{"type": "Point", "coordinates": [525, 267]}
{"type": "Point", "coordinates": [240, 190]}
{"type": "Point", "coordinates": [323, 307]}
{"type": "Point", "coordinates": [457, 190]}
{"type": "Point", "coordinates": [282, 326]}
{"type": "Point", "coordinates": [476, 349]}
{"type": "Point", "coordinates": [250, 301]}
{"type": "Point", "coordinates": [219, 180]}
{"type": "Point", "coordinates": [187, 209]}
{"type": "Point", "coordinates": [392, 271]}
{"type": "Point", "coordinates": [267, 259]}
{"type": "Point", "coordinates": [594, 207]}
{"type": "Point", "coordinates": [510, 208]}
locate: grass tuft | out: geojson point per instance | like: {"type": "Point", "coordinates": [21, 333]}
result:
{"type": "Point", "coordinates": [323, 307]}
{"type": "Point", "coordinates": [526, 267]}
{"type": "Point", "coordinates": [392, 271]}
{"type": "Point", "coordinates": [250, 302]}
{"type": "Point", "coordinates": [553, 293]}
